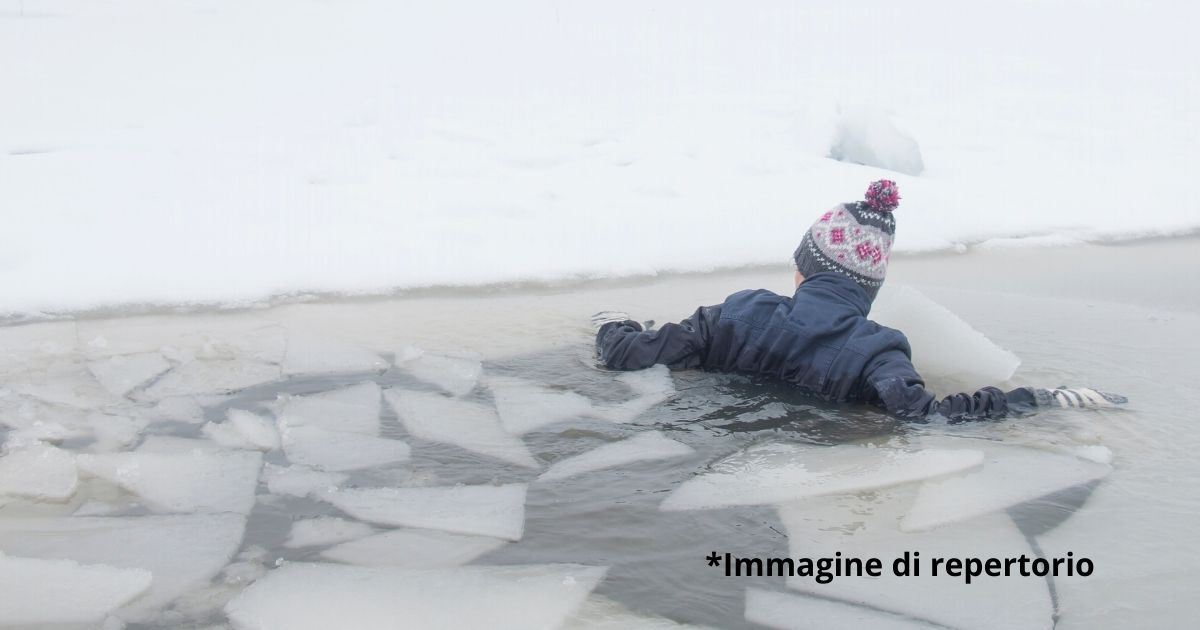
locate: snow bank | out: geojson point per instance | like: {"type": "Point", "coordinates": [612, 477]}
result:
{"type": "Point", "coordinates": [361, 165]}
{"type": "Point", "coordinates": [300, 596]}
{"type": "Point", "coordinates": [866, 135]}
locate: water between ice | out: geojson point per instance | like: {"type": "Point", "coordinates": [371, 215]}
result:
{"type": "Point", "coordinates": [502, 485]}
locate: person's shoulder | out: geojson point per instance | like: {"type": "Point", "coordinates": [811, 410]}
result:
{"type": "Point", "coordinates": [746, 296]}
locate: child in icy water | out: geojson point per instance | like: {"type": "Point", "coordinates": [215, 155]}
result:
{"type": "Point", "coordinates": [820, 339]}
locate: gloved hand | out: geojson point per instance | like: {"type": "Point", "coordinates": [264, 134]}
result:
{"type": "Point", "coordinates": [1079, 397]}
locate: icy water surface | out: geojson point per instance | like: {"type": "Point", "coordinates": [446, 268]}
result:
{"type": "Point", "coordinates": [453, 460]}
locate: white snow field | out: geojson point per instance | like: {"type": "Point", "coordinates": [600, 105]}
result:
{"type": "Point", "coordinates": [300, 596]}
{"type": "Point", "coordinates": [415, 147]}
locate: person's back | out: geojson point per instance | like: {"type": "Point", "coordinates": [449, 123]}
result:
{"type": "Point", "coordinates": [821, 339]}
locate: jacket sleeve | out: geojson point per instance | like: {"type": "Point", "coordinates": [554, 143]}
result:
{"type": "Point", "coordinates": [901, 390]}
{"type": "Point", "coordinates": [626, 346]}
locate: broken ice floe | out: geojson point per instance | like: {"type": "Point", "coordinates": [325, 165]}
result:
{"type": "Point", "coordinates": [468, 425]}
{"type": "Point", "coordinates": [62, 382]}
{"type": "Point", "coordinates": [243, 429]}
{"type": "Point", "coordinates": [600, 613]}
{"type": "Point", "coordinates": [115, 432]}
{"type": "Point", "coordinates": [776, 473]}
{"type": "Point", "coordinates": [300, 481]}
{"type": "Point", "coordinates": [325, 530]}
{"type": "Point", "coordinates": [315, 355]}
{"type": "Point", "coordinates": [211, 377]}
{"type": "Point", "coordinates": [298, 596]}
{"type": "Point", "coordinates": [59, 592]}
{"type": "Point", "coordinates": [524, 406]}
{"type": "Point", "coordinates": [182, 552]}
{"type": "Point", "coordinates": [353, 409]}
{"type": "Point", "coordinates": [867, 526]}
{"type": "Point", "coordinates": [457, 373]}
{"type": "Point", "coordinates": [1010, 475]}
{"type": "Point", "coordinates": [944, 347]}
{"type": "Point", "coordinates": [497, 511]}
{"type": "Point", "coordinates": [123, 373]}
{"type": "Point", "coordinates": [646, 446]}
{"type": "Point", "coordinates": [38, 472]}
{"type": "Point", "coordinates": [338, 450]}
{"type": "Point", "coordinates": [787, 611]}
{"type": "Point", "coordinates": [195, 481]}
{"type": "Point", "coordinates": [414, 549]}
{"type": "Point", "coordinates": [650, 386]}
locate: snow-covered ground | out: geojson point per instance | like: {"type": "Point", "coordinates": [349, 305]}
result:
{"type": "Point", "coordinates": [225, 152]}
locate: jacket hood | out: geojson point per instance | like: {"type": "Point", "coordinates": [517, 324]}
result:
{"type": "Point", "coordinates": [835, 287]}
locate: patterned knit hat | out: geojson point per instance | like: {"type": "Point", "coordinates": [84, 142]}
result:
{"type": "Point", "coordinates": [854, 239]}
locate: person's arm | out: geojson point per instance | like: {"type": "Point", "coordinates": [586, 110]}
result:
{"type": "Point", "coordinates": [625, 345]}
{"type": "Point", "coordinates": [902, 392]}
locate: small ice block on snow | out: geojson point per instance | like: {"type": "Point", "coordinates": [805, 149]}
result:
{"type": "Point", "coordinates": [786, 611]}
{"type": "Point", "coordinates": [243, 429]}
{"type": "Point", "coordinates": [524, 406]}
{"type": "Point", "coordinates": [646, 446]}
{"type": "Point", "coordinates": [38, 472]}
{"type": "Point", "coordinates": [867, 526]}
{"type": "Point", "coordinates": [325, 530]}
{"type": "Point", "coordinates": [308, 354]}
{"type": "Point", "coordinates": [182, 552]}
{"type": "Point", "coordinates": [194, 481]}
{"type": "Point", "coordinates": [123, 373]}
{"type": "Point", "coordinates": [1010, 475]}
{"type": "Point", "coordinates": [353, 409]}
{"type": "Point", "coordinates": [457, 373]}
{"type": "Point", "coordinates": [60, 592]}
{"type": "Point", "coordinates": [211, 377]}
{"type": "Point", "coordinates": [497, 511]}
{"type": "Point", "coordinates": [300, 596]}
{"type": "Point", "coordinates": [300, 481]}
{"type": "Point", "coordinates": [413, 549]}
{"type": "Point", "coordinates": [777, 473]}
{"type": "Point", "coordinates": [339, 450]}
{"type": "Point", "coordinates": [468, 425]}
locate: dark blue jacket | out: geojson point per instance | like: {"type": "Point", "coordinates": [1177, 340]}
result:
{"type": "Point", "coordinates": [820, 339]}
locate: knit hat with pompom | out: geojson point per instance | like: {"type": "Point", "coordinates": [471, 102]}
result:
{"type": "Point", "coordinates": [853, 239]}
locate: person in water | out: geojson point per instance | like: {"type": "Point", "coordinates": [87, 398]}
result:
{"type": "Point", "coordinates": [820, 338]}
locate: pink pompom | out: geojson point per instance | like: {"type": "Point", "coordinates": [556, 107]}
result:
{"type": "Point", "coordinates": [883, 195]}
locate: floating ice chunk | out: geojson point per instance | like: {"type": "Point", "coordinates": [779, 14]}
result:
{"type": "Point", "coordinates": [325, 530]}
{"type": "Point", "coordinates": [1094, 453]}
{"type": "Point", "coordinates": [63, 382]}
{"type": "Point", "coordinates": [775, 473]}
{"type": "Point", "coordinates": [183, 552]}
{"type": "Point", "coordinates": [115, 432]}
{"type": "Point", "coordinates": [38, 472]}
{"type": "Point", "coordinates": [52, 592]}
{"type": "Point", "coordinates": [243, 429]}
{"type": "Point", "coordinates": [123, 373]}
{"type": "Point", "coordinates": [468, 425]}
{"type": "Point", "coordinates": [186, 482]}
{"type": "Point", "coordinates": [524, 406]}
{"type": "Point", "coordinates": [24, 346]}
{"type": "Point", "coordinates": [866, 135]}
{"type": "Point", "coordinates": [497, 511]}
{"type": "Point", "coordinates": [300, 481]}
{"type": "Point", "coordinates": [337, 450]}
{"type": "Point", "coordinates": [651, 386]}
{"type": "Point", "coordinates": [172, 444]}
{"type": "Point", "coordinates": [1010, 475]}
{"type": "Point", "coordinates": [297, 596]}
{"type": "Point", "coordinates": [314, 355]}
{"type": "Point", "coordinates": [413, 549]}
{"type": "Point", "coordinates": [601, 613]}
{"type": "Point", "coordinates": [797, 612]}
{"type": "Point", "coordinates": [866, 526]}
{"type": "Point", "coordinates": [944, 346]}
{"type": "Point", "coordinates": [178, 409]}
{"type": "Point", "coordinates": [212, 377]}
{"type": "Point", "coordinates": [647, 446]}
{"type": "Point", "coordinates": [353, 409]}
{"type": "Point", "coordinates": [456, 373]}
